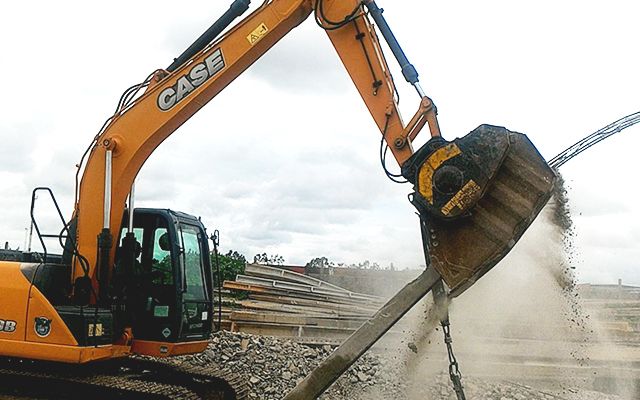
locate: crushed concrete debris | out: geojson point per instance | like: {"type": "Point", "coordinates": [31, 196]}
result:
{"type": "Point", "coordinates": [273, 366]}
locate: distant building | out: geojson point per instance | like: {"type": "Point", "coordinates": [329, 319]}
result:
{"type": "Point", "coordinates": [619, 291]}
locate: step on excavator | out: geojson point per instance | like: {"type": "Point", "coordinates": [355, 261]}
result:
{"type": "Point", "coordinates": [137, 282]}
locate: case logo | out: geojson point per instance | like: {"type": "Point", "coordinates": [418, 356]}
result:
{"type": "Point", "coordinates": [42, 326]}
{"type": "Point", "coordinates": [187, 83]}
{"type": "Point", "coordinates": [7, 325]}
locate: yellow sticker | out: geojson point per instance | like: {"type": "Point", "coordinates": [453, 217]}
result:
{"type": "Point", "coordinates": [463, 199]}
{"type": "Point", "coordinates": [95, 330]}
{"type": "Point", "coordinates": [257, 34]}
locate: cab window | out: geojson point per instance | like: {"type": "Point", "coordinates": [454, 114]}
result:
{"type": "Point", "coordinates": [192, 259]}
{"type": "Point", "coordinates": [161, 267]}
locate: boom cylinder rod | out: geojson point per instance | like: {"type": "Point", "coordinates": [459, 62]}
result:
{"type": "Point", "coordinates": [237, 8]}
{"type": "Point", "coordinates": [132, 196]}
{"type": "Point", "coordinates": [361, 340]}
{"type": "Point", "coordinates": [107, 189]}
{"type": "Point", "coordinates": [30, 237]}
{"type": "Point", "coordinates": [408, 70]}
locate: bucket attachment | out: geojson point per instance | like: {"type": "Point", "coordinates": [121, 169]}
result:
{"type": "Point", "coordinates": [476, 197]}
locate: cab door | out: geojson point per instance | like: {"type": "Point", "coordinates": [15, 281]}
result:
{"type": "Point", "coordinates": [150, 289]}
{"type": "Point", "coordinates": [196, 283]}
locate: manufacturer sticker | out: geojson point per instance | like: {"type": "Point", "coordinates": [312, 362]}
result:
{"type": "Point", "coordinates": [189, 82]}
{"type": "Point", "coordinates": [7, 325]}
{"type": "Point", "coordinates": [95, 330]}
{"type": "Point", "coordinates": [42, 326]}
{"type": "Point", "coordinates": [257, 34]}
{"type": "Point", "coordinates": [465, 197]}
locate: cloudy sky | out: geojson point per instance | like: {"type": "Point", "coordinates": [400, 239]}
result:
{"type": "Point", "coordinates": [285, 160]}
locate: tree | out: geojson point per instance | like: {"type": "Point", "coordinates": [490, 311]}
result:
{"type": "Point", "coordinates": [319, 264]}
{"type": "Point", "coordinates": [264, 258]}
{"type": "Point", "coordinates": [366, 264]}
{"type": "Point", "coordinates": [236, 256]}
{"type": "Point", "coordinates": [231, 264]}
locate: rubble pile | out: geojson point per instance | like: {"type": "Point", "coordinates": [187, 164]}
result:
{"type": "Point", "coordinates": [273, 366]}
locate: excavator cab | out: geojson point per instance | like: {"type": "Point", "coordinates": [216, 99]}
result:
{"type": "Point", "coordinates": [161, 285]}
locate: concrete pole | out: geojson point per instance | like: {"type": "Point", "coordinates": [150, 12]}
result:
{"type": "Point", "coordinates": [361, 340]}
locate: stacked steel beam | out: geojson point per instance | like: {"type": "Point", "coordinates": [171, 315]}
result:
{"type": "Point", "coordinates": [285, 303]}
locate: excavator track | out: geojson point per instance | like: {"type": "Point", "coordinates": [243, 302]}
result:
{"type": "Point", "coordinates": [139, 379]}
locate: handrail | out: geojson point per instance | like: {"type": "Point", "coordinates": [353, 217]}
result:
{"type": "Point", "coordinates": [42, 236]}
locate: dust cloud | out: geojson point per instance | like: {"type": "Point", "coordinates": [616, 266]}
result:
{"type": "Point", "coordinates": [522, 322]}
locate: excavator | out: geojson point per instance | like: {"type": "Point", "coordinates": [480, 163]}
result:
{"type": "Point", "coordinates": [133, 287]}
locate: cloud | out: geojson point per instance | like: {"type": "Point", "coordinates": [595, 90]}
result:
{"type": "Point", "coordinates": [14, 213]}
{"type": "Point", "coordinates": [19, 138]}
{"type": "Point", "coordinates": [14, 154]}
{"type": "Point", "coordinates": [285, 159]}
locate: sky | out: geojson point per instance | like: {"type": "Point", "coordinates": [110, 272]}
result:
{"type": "Point", "coordinates": [285, 160]}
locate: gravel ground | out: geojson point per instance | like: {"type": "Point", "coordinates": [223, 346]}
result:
{"type": "Point", "coordinates": [273, 366]}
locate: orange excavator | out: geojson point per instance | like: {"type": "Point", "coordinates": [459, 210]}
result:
{"type": "Point", "coordinates": [138, 281]}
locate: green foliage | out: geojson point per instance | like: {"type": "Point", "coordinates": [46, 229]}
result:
{"type": "Point", "coordinates": [164, 264]}
{"type": "Point", "coordinates": [318, 263]}
{"type": "Point", "coordinates": [231, 264]}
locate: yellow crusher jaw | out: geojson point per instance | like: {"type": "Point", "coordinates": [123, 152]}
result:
{"type": "Point", "coordinates": [476, 196]}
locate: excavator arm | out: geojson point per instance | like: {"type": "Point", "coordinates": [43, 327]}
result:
{"type": "Point", "coordinates": [173, 95]}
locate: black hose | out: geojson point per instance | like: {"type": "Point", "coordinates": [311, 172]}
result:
{"type": "Point", "coordinates": [216, 241]}
{"type": "Point", "coordinates": [237, 8]}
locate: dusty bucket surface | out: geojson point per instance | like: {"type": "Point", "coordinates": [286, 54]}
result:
{"type": "Point", "coordinates": [476, 196]}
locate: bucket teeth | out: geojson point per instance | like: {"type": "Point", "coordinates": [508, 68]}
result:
{"type": "Point", "coordinates": [464, 249]}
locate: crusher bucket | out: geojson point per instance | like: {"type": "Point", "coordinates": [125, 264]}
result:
{"type": "Point", "coordinates": [476, 196]}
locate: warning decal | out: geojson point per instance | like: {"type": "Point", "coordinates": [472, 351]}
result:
{"type": "Point", "coordinates": [257, 34]}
